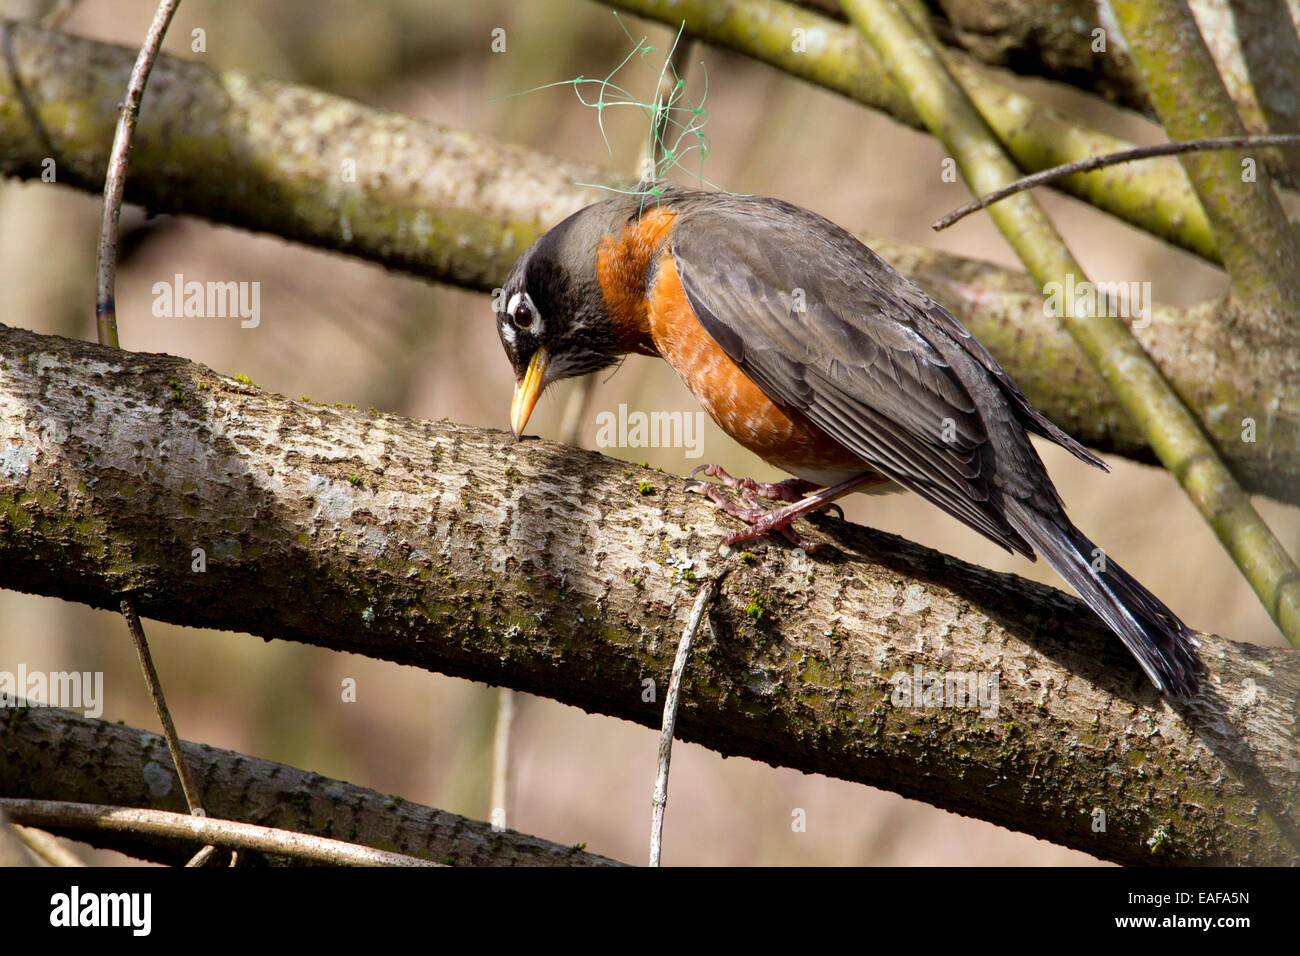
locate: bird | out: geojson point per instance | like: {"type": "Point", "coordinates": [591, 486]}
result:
{"type": "Point", "coordinates": [811, 351]}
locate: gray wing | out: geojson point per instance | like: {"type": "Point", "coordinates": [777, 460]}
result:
{"type": "Point", "coordinates": [823, 325]}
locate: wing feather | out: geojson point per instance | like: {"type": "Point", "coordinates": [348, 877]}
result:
{"type": "Point", "coordinates": [825, 326]}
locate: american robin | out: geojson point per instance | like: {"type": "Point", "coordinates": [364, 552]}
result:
{"type": "Point", "coordinates": [809, 350]}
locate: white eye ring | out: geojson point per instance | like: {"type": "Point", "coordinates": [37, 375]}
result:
{"type": "Point", "coordinates": [512, 307]}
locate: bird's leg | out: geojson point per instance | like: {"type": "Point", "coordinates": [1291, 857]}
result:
{"type": "Point", "coordinates": [762, 520]}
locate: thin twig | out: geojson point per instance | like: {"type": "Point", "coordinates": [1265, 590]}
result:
{"type": "Point", "coordinates": [203, 857]}
{"type": "Point", "coordinates": [160, 704]}
{"type": "Point", "coordinates": [106, 327]}
{"type": "Point", "coordinates": [64, 815]}
{"type": "Point", "coordinates": [1111, 159]}
{"type": "Point", "coordinates": [508, 702]}
{"type": "Point", "coordinates": [115, 180]}
{"type": "Point", "coordinates": [501, 811]}
{"type": "Point", "coordinates": [660, 799]}
{"type": "Point", "coordinates": [501, 758]}
{"type": "Point", "coordinates": [47, 846]}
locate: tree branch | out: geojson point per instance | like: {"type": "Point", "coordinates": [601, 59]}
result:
{"type": "Point", "coordinates": [44, 752]}
{"type": "Point", "coordinates": [477, 204]}
{"type": "Point", "coordinates": [282, 159]}
{"type": "Point", "coordinates": [1155, 196]}
{"type": "Point", "coordinates": [542, 568]}
{"type": "Point", "coordinates": [1255, 47]}
{"type": "Point", "coordinates": [1255, 241]}
{"type": "Point", "coordinates": [227, 834]}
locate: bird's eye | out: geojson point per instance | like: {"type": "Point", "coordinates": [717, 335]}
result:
{"type": "Point", "coordinates": [523, 314]}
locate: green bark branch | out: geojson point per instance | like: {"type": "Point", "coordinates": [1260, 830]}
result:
{"type": "Point", "coordinates": [1170, 428]}
{"type": "Point", "coordinates": [1074, 42]}
{"type": "Point", "coordinates": [1255, 241]}
{"type": "Point", "coordinates": [1154, 196]}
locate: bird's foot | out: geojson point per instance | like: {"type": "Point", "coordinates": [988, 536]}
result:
{"type": "Point", "coordinates": [760, 518]}
{"type": "Point", "coordinates": [792, 489]}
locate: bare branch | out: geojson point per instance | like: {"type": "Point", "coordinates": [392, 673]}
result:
{"type": "Point", "coordinates": [115, 181]}
{"type": "Point", "coordinates": [1097, 162]}
{"type": "Point", "coordinates": [47, 749]}
{"type": "Point", "coordinates": [179, 826]}
{"type": "Point", "coordinates": [659, 801]}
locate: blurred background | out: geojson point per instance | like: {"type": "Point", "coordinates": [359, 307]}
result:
{"type": "Point", "coordinates": [338, 330]}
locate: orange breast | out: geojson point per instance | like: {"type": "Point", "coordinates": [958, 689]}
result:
{"type": "Point", "coordinates": [660, 321]}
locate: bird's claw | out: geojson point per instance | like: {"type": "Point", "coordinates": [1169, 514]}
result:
{"type": "Point", "coordinates": [839, 512]}
{"type": "Point", "coordinates": [791, 489]}
{"type": "Point", "coordinates": [760, 519]}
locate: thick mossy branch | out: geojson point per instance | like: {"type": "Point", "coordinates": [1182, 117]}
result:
{"type": "Point", "coordinates": [457, 208]}
{"type": "Point", "coordinates": [44, 753]}
{"type": "Point", "coordinates": [538, 567]}
{"type": "Point", "coordinates": [282, 159]}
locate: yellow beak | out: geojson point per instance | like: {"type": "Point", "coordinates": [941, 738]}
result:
{"type": "Point", "coordinates": [527, 392]}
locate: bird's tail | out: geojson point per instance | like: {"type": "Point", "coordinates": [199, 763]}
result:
{"type": "Point", "coordinates": [1162, 643]}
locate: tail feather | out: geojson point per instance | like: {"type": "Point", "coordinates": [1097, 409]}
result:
{"type": "Point", "coordinates": [1162, 643]}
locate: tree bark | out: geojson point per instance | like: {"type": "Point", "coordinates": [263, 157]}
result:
{"type": "Point", "coordinates": [457, 208]}
{"type": "Point", "coordinates": [44, 753]}
{"type": "Point", "coordinates": [1254, 43]}
{"type": "Point", "coordinates": [1256, 242]}
{"type": "Point", "coordinates": [288, 160]}
{"type": "Point", "coordinates": [566, 574]}
{"type": "Point", "coordinates": [1154, 196]}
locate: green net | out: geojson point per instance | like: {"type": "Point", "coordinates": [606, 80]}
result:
{"type": "Point", "coordinates": [675, 127]}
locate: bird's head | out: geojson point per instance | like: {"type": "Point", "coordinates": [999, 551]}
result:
{"type": "Point", "coordinates": [551, 312]}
